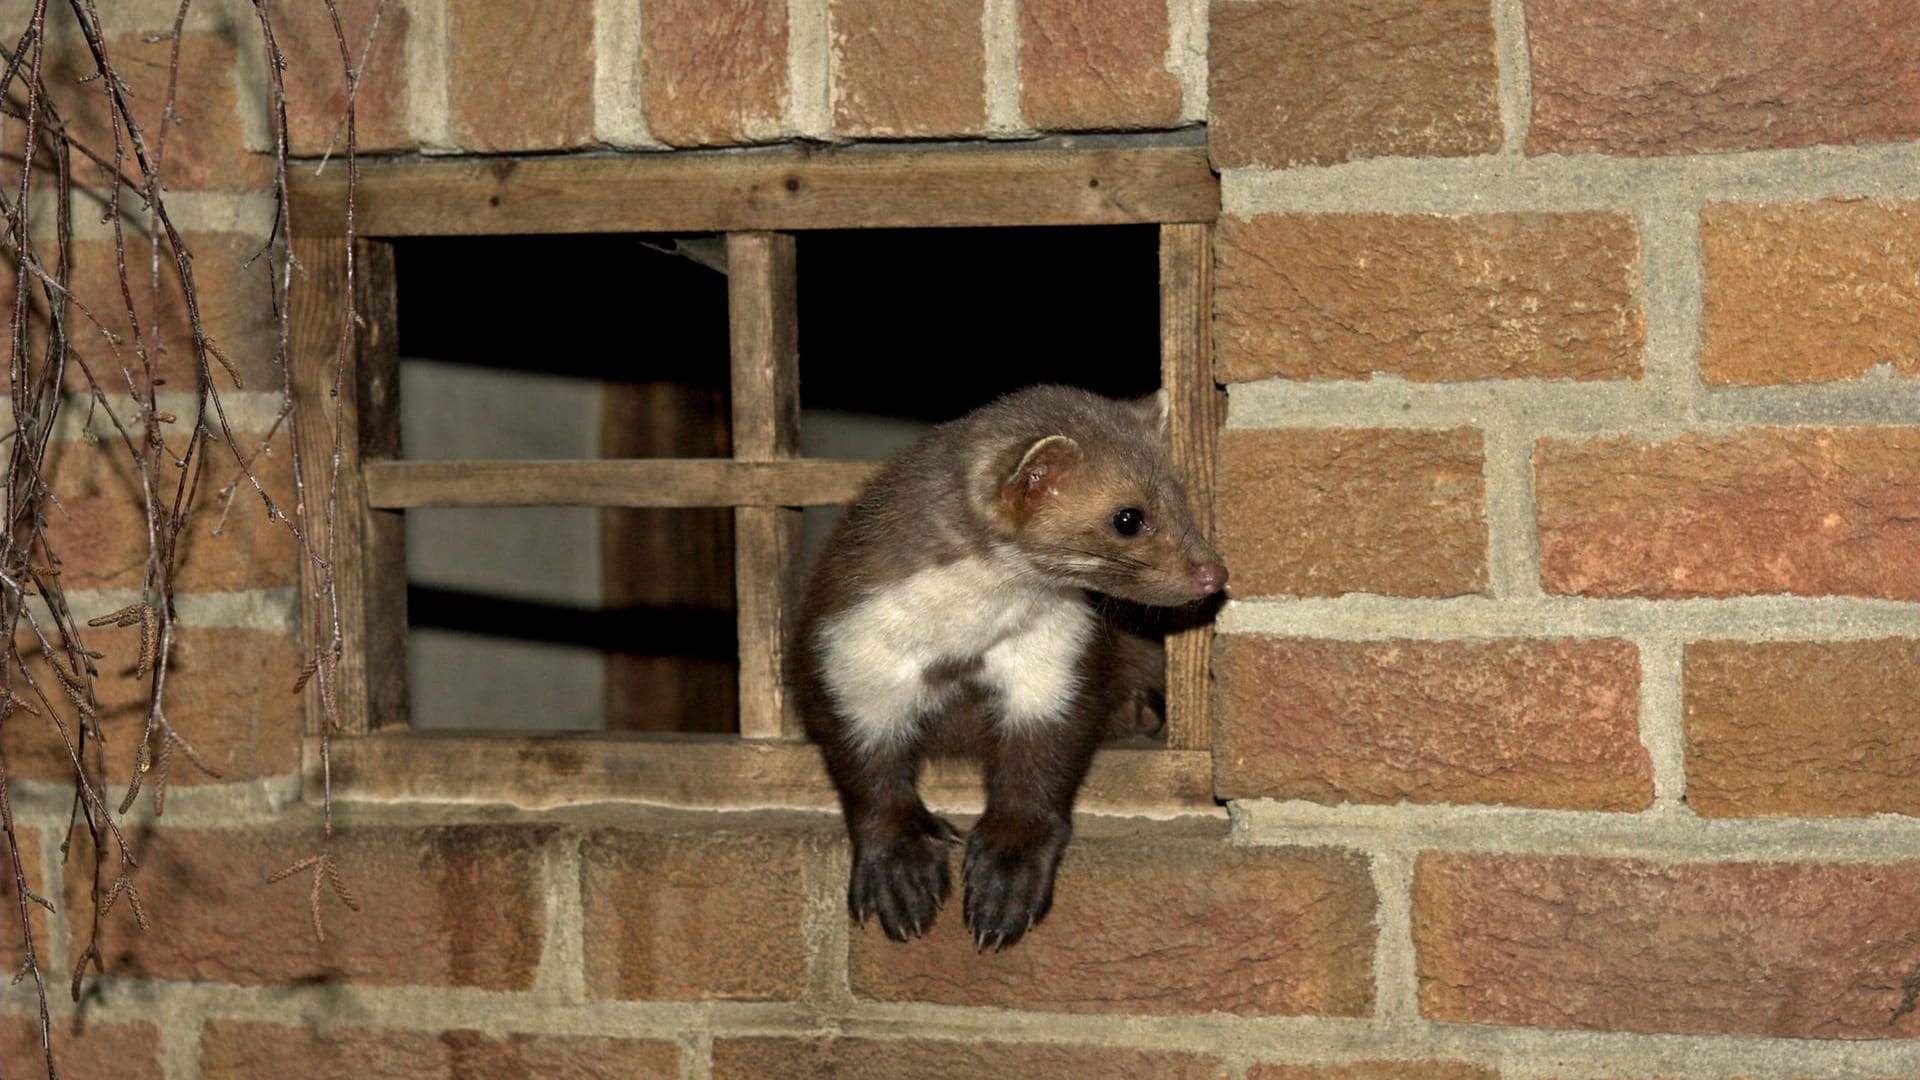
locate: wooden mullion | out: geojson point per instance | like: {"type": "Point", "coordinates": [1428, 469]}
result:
{"type": "Point", "coordinates": [368, 554]}
{"type": "Point", "coordinates": [1196, 409]}
{"type": "Point", "coordinates": [761, 301]}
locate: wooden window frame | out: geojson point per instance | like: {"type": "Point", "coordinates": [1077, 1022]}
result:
{"type": "Point", "coordinates": [758, 199]}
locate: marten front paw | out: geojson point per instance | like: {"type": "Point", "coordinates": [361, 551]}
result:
{"type": "Point", "coordinates": [901, 876]}
{"type": "Point", "coordinates": [1009, 871]}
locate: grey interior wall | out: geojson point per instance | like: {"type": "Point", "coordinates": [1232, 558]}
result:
{"type": "Point", "coordinates": [548, 555]}
{"type": "Point", "coordinates": [829, 433]}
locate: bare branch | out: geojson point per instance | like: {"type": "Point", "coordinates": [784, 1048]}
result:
{"type": "Point", "coordinates": [106, 351]}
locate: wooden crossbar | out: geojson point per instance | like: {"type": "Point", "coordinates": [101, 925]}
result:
{"type": "Point", "coordinates": [652, 482]}
{"type": "Point", "coordinates": [783, 189]}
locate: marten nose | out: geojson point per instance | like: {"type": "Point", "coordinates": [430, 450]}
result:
{"type": "Point", "coordinates": [1210, 579]}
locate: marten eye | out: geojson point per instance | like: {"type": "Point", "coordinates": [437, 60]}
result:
{"type": "Point", "coordinates": [1127, 522]}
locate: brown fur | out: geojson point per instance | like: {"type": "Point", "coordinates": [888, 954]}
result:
{"type": "Point", "coordinates": [1037, 475]}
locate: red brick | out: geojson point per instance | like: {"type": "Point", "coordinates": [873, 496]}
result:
{"type": "Point", "coordinates": [57, 66]}
{"type": "Point", "coordinates": [1376, 1070]}
{"type": "Point", "coordinates": [520, 81]}
{"type": "Point", "coordinates": [36, 295]}
{"type": "Point", "coordinates": [234, 291]}
{"type": "Point", "coordinates": [1317, 82]}
{"type": "Point", "coordinates": [709, 914]}
{"type": "Point", "coordinates": [1550, 724]}
{"type": "Point", "coordinates": [1640, 77]}
{"type": "Point", "coordinates": [1326, 512]}
{"type": "Point", "coordinates": [1428, 298]}
{"type": "Point", "coordinates": [238, 1050]}
{"type": "Point", "coordinates": [235, 298]}
{"type": "Point", "coordinates": [926, 1059]}
{"type": "Point", "coordinates": [13, 952]}
{"type": "Point", "coordinates": [316, 81]}
{"type": "Point", "coordinates": [1803, 728]}
{"type": "Point", "coordinates": [714, 71]}
{"type": "Point", "coordinates": [228, 692]}
{"type": "Point", "coordinates": [1090, 64]}
{"type": "Point", "coordinates": [1810, 950]}
{"type": "Point", "coordinates": [249, 550]}
{"type": "Point", "coordinates": [440, 906]}
{"type": "Point", "coordinates": [1809, 292]}
{"type": "Point", "coordinates": [1157, 919]}
{"type": "Point", "coordinates": [1807, 511]}
{"type": "Point", "coordinates": [908, 69]}
{"type": "Point", "coordinates": [83, 1047]}
{"type": "Point", "coordinates": [99, 532]}
{"type": "Point", "coordinates": [204, 149]}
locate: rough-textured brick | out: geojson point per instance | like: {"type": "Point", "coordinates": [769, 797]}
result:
{"type": "Point", "coordinates": [316, 82]}
{"type": "Point", "coordinates": [234, 289]}
{"type": "Point", "coordinates": [83, 1047]}
{"type": "Point", "coordinates": [1655, 77]}
{"type": "Point", "coordinates": [1096, 64]}
{"type": "Point", "coordinates": [238, 1050]}
{"type": "Point", "coordinates": [99, 530]}
{"type": "Point", "coordinates": [1525, 723]}
{"type": "Point", "coordinates": [204, 149]}
{"type": "Point", "coordinates": [519, 81]}
{"type": "Point", "coordinates": [712, 913]}
{"type": "Point", "coordinates": [1781, 949]}
{"type": "Point", "coordinates": [1326, 512]}
{"type": "Point", "coordinates": [13, 953]}
{"type": "Point", "coordinates": [908, 69]}
{"type": "Point", "coordinates": [1316, 82]}
{"type": "Point", "coordinates": [1429, 298]}
{"type": "Point", "coordinates": [235, 295]}
{"type": "Point", "coordinates": [714, 71]}
{"type": "Point", "coordinates": [228, 692]}
{"type": "Point", "coordinates": [926, 1059]}
{"type": "Point", "coordinates": [1157, 920]}
{"type": "Point", "coordinates": [1376, 1070]}
{"type": "Point", "coordinates": [1807, 511]}
{"type": "Point", "coordinates": [440, 906]}
{"type": "Point", "coordinates": [1803, 728]}
{"type": "Point", "coordinates": [1807, 292]}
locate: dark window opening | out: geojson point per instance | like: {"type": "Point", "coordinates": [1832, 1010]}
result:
{"type": "Point", "coordinates": [617, 346]}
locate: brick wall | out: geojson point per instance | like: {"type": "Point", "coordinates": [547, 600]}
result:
{"type": "Point", "coordinates": [1567, 703]}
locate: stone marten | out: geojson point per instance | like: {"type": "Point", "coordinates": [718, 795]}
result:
{"type": "Point", "coordinates": [958, 607]}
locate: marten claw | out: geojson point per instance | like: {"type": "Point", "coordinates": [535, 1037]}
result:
{"type": "Point", "coordinates": [903, 879]}
{"type": "Point", "coordinates": [1009, 889]}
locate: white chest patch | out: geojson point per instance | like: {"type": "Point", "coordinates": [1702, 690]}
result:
{"type": "Point", "coordinates": [1028, 638]}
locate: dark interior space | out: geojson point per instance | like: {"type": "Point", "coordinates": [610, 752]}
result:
{"type": "Point", "coordinates": [932, 323]}
{"type": "Point", "coordinates": [918, 323]}
{"type": "Point", "coordinates": [616, 346]}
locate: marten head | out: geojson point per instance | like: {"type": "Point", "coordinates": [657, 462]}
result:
{"type": "Point", "coordinates": [1095, 503]}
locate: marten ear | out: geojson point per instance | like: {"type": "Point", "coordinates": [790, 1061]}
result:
{"type": "Point", "coordinates": [1152, 409]}
{"type": "Point", "coordinates": [1042, 469]}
